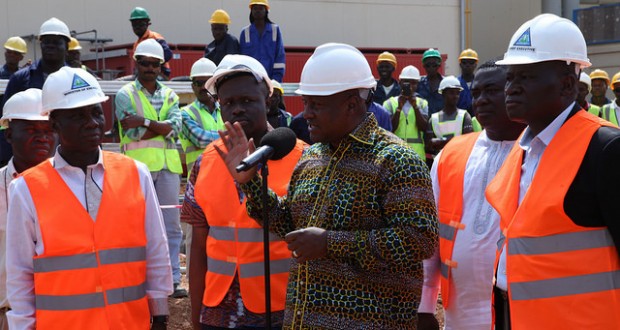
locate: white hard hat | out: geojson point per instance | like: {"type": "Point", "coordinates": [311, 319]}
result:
{"type": "Point", "coordinates": [149, 48]}
{"type": "Point", "coordinates": [204, 67]}
{"type": "Point", "coordinates": [547, 37]}
{"type": "Point", "coordinates": [238, 63]}
{"type": "Point", "coordinates": [410, 72]}
{"type": "Point", "coordinates": [70, 88]}
{"type": "Point", "coordinates": [334, 68]}
{"type": "Point", "coordinates": [449, 82]}
{"type": "Point", "coordinates": [54, 26]}
{"type": "Point", "coordinates": [584, 78]}
{"type": "Point", "coordinates": [24, 105]}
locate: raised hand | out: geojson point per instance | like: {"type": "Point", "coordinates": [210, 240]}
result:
{"type": "Point", "coordinates": [237, 148]}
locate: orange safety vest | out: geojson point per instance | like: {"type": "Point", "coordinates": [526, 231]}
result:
{"type": "Point", "coordinates": [560, 275]}
{"type": "Point", "coordinates": [235, 241]}
{"type": "Point", "coordinates": [451, 175]}
{"type": "Point", "coordinates": [92, 273]}
{"type": "Point", "coordinates": [150, 35]}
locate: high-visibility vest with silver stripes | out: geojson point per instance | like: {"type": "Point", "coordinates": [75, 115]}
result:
{"type": "Point", "coordinates": [608, 112]}
{"type": "Point", "coordinates": [560, 275]}
{"type": "Point", "coordinates": [91, 274]}
{"type": "Point", "coordinates": [235, 241]}
{"type": "Point", "coordinates": [451, 177]}
{"type": "Point", "coordinates": [205, 121]}
{"type": "Point", "coordinates": [154, 152]}
{"type": "Point", "coordinates": [407, 129]}
{"type": "Point", "coordinates": [448, 128]}
{"type": "Point", "coordinates": [594, 109]}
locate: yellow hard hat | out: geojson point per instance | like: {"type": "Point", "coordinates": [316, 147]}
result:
{"type": "Point", "coordinates": [615, 79]}
{"type": "Point", "coordinates": [220, 16]}
{"type": "Point", "coordinates": [259, 2]}
{"type": "Point", "coordinates": [74, 44]}
{"type": "Point", "coordinates": [599, 74]}
{"type": "Point", "coordinates": [16, 44]}
{"type": "Point", "coordinates": [387, 57]}
{"type": "Point", "coordinates": [468, 54]}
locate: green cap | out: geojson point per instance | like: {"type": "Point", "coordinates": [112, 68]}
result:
{"type": "Point", "coordinates": [139, 13]}
{"type": "Point", "coordinates": [431, 52]}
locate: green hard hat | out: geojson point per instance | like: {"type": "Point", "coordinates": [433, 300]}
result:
{"type": "Point", "coordinates": [431, 52]}
{"type": "Point", "coordinates": [139, 13]}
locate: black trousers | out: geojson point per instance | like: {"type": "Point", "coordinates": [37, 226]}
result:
{"type": "Point", "coordinates": [502, 309]}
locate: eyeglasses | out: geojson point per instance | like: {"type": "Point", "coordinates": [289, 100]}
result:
{"type": "Point", "coordinates": [139, 23]}
{"type": "Point", "coordinates": [146, 64]}
{"type": "Point", "coordinates": [199, 83]}
{"type": "Point", "coordinates": [431, 65]}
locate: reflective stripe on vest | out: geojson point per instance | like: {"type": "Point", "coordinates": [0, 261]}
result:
{"type": "Point", "coordinates": [234, 242]}
{"type": "Point", "coordinates": [90, 300]}
{"type": "Point", "coordinates": [451, 178]}
{"type": "Point", "coordinates": [90, 272]}
{"type": "Point", "coordinates": [448, 128]}
{"type": "Point", "coordinates": [244, 235]}
{"type": "Point", "coordinates": [254, 269]}
{"type": "Point", "coordinates": [609, 113]}
{"type": "Point", "coordinates": [162, 151]}
{"type": "Point", "coordinates": [407, 128]}
{"type": "Point", "coordinates": [552, 263]}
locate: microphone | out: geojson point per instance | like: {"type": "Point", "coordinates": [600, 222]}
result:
{"type": "Point", "coordinates": [274, 145]}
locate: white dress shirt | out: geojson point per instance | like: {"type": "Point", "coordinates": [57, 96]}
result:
{"type": "Point", "coordinates": [7, 174]}
{"type": "Point", "coordinates": [475, 246]}
{"type": "Point", "coordinates": [533, 147]}
{"type": "Point", "coordinates": [24, 240]}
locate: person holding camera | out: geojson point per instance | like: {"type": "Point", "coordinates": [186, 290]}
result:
{"type": "Point", "coordinates": [409, 112]}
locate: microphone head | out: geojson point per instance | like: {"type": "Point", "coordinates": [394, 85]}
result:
{"type": "Point", "coordinates": [281, 139]}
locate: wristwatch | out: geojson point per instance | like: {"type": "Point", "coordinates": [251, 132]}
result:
{"type": "Point", "coordinates": [147, 122]}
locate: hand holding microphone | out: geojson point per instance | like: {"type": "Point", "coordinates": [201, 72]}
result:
{"type": "Point", "coordinates": [238, 150]}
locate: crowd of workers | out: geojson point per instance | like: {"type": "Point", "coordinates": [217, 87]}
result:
{"type": "Point", "coordinates": [495, 188]}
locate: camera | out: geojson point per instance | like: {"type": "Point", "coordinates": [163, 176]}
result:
{"type": "Point", "coordinates": [406, 89]}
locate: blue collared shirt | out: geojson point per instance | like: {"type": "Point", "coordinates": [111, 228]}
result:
{"type": "Point", "coordinates": [465, 98]}
{"type": "Point", "coordinates": [435, 100]}
{"type": "Point", "coordinates": [267, 48]}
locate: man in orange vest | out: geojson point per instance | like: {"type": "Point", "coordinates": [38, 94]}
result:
{"type": "Point", "coordinates": [227, 283]}
{"type": "Point", "coordinates": [469, 227]}
{"type": "Point", "coordinates": [556, 193]}
{"type": "Point", "coordinates": [87, 245]}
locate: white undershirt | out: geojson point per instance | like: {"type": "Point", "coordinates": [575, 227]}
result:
{"type": "Point", "coordinates": [475, 246]}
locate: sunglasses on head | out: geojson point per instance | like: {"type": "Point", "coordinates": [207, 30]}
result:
{"type": "Point", "coordinates": [199, 83]}
{"type": "Point", "coordinates": [146, 64]}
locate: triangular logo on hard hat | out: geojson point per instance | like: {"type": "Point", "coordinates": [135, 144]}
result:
{"type": "Point", "coordinates": [524, 39]}
{"type": "Point", "coordinates": [78, 82]}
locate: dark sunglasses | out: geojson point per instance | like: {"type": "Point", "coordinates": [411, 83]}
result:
{"type": "Point", "coordinates": [139, 24]}
{"type": "Point", "coordinates": [199, 83]}
{"type": "Point", "coordinates": [146, 64]}
{"type": "Point", "coordinates": [431, 65]}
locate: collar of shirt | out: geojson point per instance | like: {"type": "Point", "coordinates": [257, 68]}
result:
{"type": "Point", "coordinates": [145, 91]}
{"type": "Point", "coordinates": [548, 133]}
{"type": "Point", "coordinates": [213, 113]}
{"type": "Point", "coordinates": [60, 162]}
{"type": "Point", "coordinates": [364, 132]}
{"type": "Point", "coordinates": [10, 170]}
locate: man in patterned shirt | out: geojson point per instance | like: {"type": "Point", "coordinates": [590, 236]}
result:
{"type": "Point", "coordinates": [359, 215]}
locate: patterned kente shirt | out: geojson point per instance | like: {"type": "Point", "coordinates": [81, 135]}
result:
{"type": "Point", "coordinates": [373, 195]}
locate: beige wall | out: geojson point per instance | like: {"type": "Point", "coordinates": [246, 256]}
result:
{"type": "Point", "coordinates": [494, 22]}
{"type": "Point", "coordinates": [363, 23]}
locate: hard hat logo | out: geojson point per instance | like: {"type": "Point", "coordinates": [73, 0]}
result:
{"type": "Point", "coordinates": [78, 82]}
{"type": "Point", "coordinates": [524, 39]}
